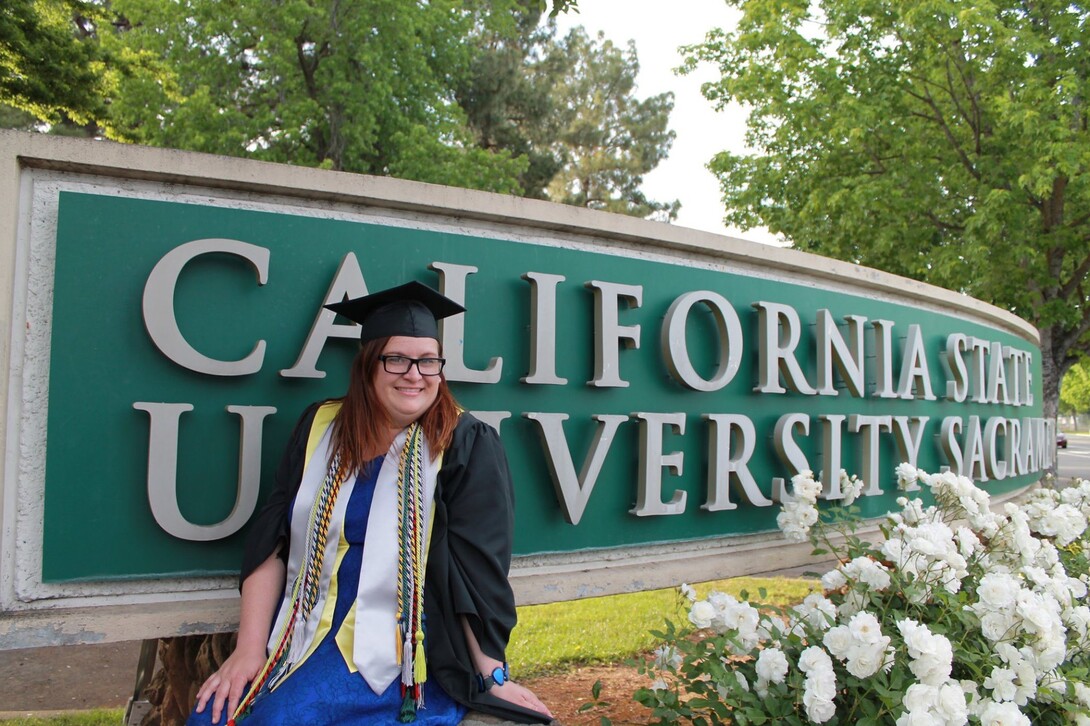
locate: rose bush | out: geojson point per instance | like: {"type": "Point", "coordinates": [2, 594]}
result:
{"type": "Point", "coordinates": [957, 614]}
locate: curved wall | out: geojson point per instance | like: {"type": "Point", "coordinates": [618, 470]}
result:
{"type": "Point", "coordinates": [653, 385]}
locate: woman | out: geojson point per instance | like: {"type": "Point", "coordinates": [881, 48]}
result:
{"type": "Point", "coordinates": [374, 584]}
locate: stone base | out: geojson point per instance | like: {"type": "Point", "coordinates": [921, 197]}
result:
{"type": "Point", "coordinates": [473, 718]}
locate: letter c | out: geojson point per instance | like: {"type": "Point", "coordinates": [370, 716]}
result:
{"type": "Point", "coordinates": [161, 323]}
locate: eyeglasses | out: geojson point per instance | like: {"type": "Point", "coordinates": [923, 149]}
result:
{"type": "Point", "coordinates": [399, 364]}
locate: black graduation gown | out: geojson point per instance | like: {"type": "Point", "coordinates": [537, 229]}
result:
{"type": "Point", "coordinates": [468, 558]}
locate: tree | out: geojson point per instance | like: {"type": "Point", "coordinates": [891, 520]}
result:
{"type": "Point", "coordinates": [49, 70]}
{"type": "Point", "coordinates": [609, 138]}
{"type": "Point", "coordinates": [507, 94]}
{"type": "Point", "coordinates": [941, 140]}
{"type": "Point", "coordinates": [351, 85]}
{"type": "Point", "coordinates": [60, 71]}
{"type": "Point", "coordinates": [569, 106]}
{"type": "Point", "coordinates": [1075, 392]}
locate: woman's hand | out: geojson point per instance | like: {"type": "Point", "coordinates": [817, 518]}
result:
{"type": "Point", "coordinates": [522, 696]}
{"type": "Point", "coordinates": [227, 684]}
{"type": "Point", "coordinates": [260, 594]}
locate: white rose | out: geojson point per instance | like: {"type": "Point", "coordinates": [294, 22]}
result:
{"type": "Point", "coordinates": [864, 662]}
{"type": "Point", "coordinates": [931, 669]}
{"type": "Point", "coordinates": [996, 626]}
{"type": "Point", "coordinates": [701, 614]}
{"type": "Point", "coordinates": [833, 580]}
{"type": "Point", "coordinates": [908, 476]}
{"type": "Point", "coordinates": [814, 658]}
{"type": "Point", "coordinates": [667, 657]}
{"type": "Point", "coordinates": [917, 637]}
{"type": "Point", "coordinates": [919, 697]}
{"type": "Point", "coordinates": [865, 628]}
{"type": "Point", "coordinates": [950, 704]}
{"type": "Point", "coordinates": [998, 591]}
{"type": "Point", "coordinates": [1001, 684]}
{"type": "Point", "coordinates": [1003, 714]}
{"type": "Point", "coordinates": [818, 710]}
{"type": "Point", "coordinates": [838, 640]}
{"type": "Point", "coordinates": [772, 665]}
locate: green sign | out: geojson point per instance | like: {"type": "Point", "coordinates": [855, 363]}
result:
{"type": "Point", "coordinates": [640, 399]}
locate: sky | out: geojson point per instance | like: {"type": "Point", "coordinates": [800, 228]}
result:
{"type": "Point", "coordinates": [659, 29]}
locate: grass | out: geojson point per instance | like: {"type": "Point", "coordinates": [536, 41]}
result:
{"type": "Point", "coordinates": [550, 638]}
{"type": "Point", "coordinates": [553, 637]}
{"type": "Point", "coordinates": [97, 717]}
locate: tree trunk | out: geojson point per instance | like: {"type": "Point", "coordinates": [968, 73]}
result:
{"type": "Point", "coordinates": [186, 662]}
{"type": "Point", "coordinates": [1052, 373]}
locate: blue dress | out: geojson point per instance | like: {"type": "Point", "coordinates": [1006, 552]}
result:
{"type": "Point", "coordinates": [322, 690]}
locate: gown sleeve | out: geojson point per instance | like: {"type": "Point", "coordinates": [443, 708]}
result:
{"type": "Point", "coordinates": [269, 531]}
{"type": "Point", "coordinates": [468, 562]}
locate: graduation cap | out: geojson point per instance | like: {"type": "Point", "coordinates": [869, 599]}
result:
{"type": "Point", "coordinates": [412, 310]}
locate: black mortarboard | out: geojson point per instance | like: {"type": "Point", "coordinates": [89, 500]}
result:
{"type": "Point", "coordinates": [411, 310]}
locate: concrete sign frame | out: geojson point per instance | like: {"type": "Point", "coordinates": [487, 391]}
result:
{"type": "Point", "coordinates": [60, 605]}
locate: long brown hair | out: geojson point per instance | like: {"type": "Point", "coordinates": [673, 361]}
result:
{"type": "Point", "coordinates": [362, 427]}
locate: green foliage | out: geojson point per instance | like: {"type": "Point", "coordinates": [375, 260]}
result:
{"type": "Point", "coordinates": [1075, 392]}
{"type": "Point", "coordinates": [940, 140]}
{"type": "Point", "coordinates": [355, 86]}
{"type": "Point", "coordinates": [507, 95]}
{"type": "Point", "coordinates": [46, 68]}
{"type": "Point", "coordinates": [476, 94]}
{"type": "Point", "coordinates": [570, 107]}
{"type": "Point", "coordinates": [609, 138]}
{"type": "Point", "coordinates": [956, 615]}
{"type": "Point", "coordinates": [61, 62]}
{"type": "Point", "coordinates": [14, 118]}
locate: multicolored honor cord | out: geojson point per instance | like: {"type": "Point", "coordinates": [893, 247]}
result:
{"type": "Point", "coordinates": [304, 593]}
{"type": "Point", "coordinates": [411, 533]}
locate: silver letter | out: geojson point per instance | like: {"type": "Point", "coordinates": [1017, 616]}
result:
{"type": "Point", "coordinates": [609, 333]}
{"type": "Point", "coordinates": [831, 349]}
{"type": "Point", "coordinates": [492, 418]}
{"type": "Point", "coordinates": [675, 348]}
{"type": "Point", "coordinates": [914, 366]}
{"type": "Point", "coordinates": [788, 451]}
{"type": "Point", "coordinates": [652, 460]}
{"type": "Point", "coordinates": [908, 432]}
{"type": "Point", "coordinates": [995, 467]}
{"type": "Point", "coordinates": [958, 387]}
{"type": "Point", "coordinates": [974, 451]}
{"type": "Point", "coordinates": [776, 349]}
{"type": "Point", "coordinates": [162, 325]}
{"type": "Point", "coordinates": [951, 427]}
{"type": "Point", "coordinates": [543, 328]}
{"type": "Point", "coordinates": [163, 470]}
{"type": "Point", "coordinates": [348, 282]}
{"type": "Point", "coordinates": [883, 359]}
{"type": "Point", "coordinates": [722, 466]}
{"type": "Point", "coordinates": [573, 491]}
{"type": "Point", "coordinates": [997, 375]}
{"type": "Point", "coordinates": [452, 283]}
{"type": "Point", "coordinates": [870, 426]}
{"type": "Point", "coordinates": [830, 454]}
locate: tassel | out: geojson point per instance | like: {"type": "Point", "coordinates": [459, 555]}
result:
{"type": "Point", "coordinates": [419, 696]}
{"type": "Point", "coordinates": [397, 644]}
{"type": "Point", "coordinates": [408, 708]}
{"type": "Point", "coordinates": [420, 667]}
{"type": "Point", "coordinates": [407, 662]}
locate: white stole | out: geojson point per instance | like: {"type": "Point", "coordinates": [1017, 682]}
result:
{"type": "Point", "coordinates": [375, 650]}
